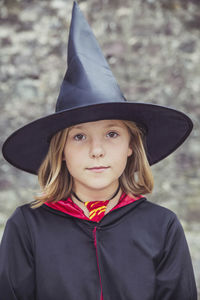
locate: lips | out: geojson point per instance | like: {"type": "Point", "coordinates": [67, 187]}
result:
{"type": "Point", "coordinates": [98, 168]}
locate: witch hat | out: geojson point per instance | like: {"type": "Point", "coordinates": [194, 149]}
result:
{"type": "Point", "coordinates": [89, 92]}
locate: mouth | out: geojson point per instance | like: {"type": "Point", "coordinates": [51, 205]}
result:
{"type": "Point", "coordinates": [98, 169]}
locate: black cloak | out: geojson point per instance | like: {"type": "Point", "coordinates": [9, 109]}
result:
{"type": "Point", "coordinates": [136, 252]}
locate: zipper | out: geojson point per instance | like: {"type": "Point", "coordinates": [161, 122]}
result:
{"type": "Point", "coordinates": [95, 244]}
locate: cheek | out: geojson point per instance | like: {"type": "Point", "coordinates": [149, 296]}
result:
{"type": "Point", "coordinates": [74, 158]}
{"type": "Point", "coordinates": [122, 151]}
{"type": "Point", "coordinates": [68, 159]}
{"type": "Point", "coordinates": [120, 155]}
{"type": "Point", "coordinates": [71, 166]}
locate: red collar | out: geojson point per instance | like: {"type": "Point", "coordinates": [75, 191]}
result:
{"type": "Point", "coordinates": [69, 207]}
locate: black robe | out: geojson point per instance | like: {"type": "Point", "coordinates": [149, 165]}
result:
{"type": "Point", "coordinates": [136, 252]}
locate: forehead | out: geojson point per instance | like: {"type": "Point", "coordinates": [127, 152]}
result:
{"type": "Point", "coordinates": [101, 123]}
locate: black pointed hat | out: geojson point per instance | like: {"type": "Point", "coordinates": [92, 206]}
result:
{"type": "Point", "coordinates": [89, 92]}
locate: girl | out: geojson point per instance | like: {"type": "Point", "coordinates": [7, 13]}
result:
{"type": "Point", "coordinates": [91, 234]}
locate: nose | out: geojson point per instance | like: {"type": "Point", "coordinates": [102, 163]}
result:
{"type": "Point", "coordinates": [97, 149]}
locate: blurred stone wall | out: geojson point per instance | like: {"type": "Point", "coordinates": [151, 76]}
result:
{"type": "Point", "coordinates": [153, 48]}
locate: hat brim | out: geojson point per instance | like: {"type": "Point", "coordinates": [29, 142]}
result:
{"type": "Point", "coordinates": [166, 130]}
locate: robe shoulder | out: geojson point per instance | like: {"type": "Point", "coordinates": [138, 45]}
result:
{"type": "Point", "coordinates": [17, 259]}
{"type": "Point", "coordinates": [156, 215]}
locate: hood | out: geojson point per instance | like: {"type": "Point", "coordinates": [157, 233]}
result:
{"type": "Point", "coordinates": [67, 206]}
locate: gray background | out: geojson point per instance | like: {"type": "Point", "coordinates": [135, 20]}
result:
{"type": "Point", "coordinates": [153, 48]}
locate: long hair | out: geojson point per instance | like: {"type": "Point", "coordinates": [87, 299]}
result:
{"type": "Point", "coordinates": [56, 182]}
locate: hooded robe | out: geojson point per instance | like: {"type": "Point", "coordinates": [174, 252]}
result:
{"type": "Point", "coordinates": [137, 251]}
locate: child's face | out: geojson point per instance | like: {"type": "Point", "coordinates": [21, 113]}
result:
{"type": "Point", "coordinates": [102, 143]}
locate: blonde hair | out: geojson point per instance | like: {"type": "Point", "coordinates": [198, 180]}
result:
{"type": "Point", "coordinates": [56, 182]}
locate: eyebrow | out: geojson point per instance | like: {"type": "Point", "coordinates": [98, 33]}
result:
{"type": "Point", "coordinates": [107, 126]}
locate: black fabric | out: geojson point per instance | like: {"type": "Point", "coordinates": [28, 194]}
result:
{"type": "Point", "coordinates": [142, 254]}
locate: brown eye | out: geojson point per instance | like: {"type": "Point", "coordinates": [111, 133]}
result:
{"type": "Point", "coordinates": [79, 137]}
{"type": "Point", "coordinates": [112, 134]}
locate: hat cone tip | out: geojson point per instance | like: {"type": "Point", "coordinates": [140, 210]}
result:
{"type": "Point", "coordinates": [75, 3]}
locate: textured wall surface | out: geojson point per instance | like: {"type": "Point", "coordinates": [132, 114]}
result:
{"type": "Point", "coordinates": [153, 48]}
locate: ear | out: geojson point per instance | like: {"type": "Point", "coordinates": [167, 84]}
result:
{"type": "Point", "coordinates": [130, 151]}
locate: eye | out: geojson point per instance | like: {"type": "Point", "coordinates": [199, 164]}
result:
{"type": "Point", "coordinates": [79, 137]}
{"type": "Point", "coordinates": [113, 134]}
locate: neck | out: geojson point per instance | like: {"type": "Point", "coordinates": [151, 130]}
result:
{"type": "Point", "coordinates": [83, 195]}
